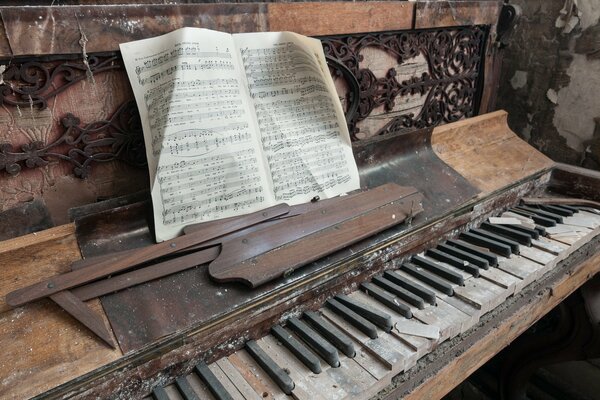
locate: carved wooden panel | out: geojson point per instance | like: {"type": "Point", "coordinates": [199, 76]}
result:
{"type": "Point", "coordinates": [410, 79]}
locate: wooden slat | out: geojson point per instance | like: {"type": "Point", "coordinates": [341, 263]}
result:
{"type": "Point", "coordinates": [332, 18]}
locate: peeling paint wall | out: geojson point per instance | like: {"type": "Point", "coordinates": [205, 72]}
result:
{"type": "Point", "coordinates": [550, 82]}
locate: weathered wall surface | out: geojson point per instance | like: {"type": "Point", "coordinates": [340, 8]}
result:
{"type": "Point", "coordinates": [551, 79]}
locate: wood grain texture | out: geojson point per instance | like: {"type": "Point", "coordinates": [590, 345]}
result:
{"type": "Point", "coordinates": [332, 18]}
{"type": "Point", "coordinates": [454, 372]}
{"type": "Point", "coordinates": [487, 153]}
{"type": "Point", "coordinates": [437, 14]}
{"type": "Point", "coordinates": [43, 345]}
{"type": "Point", "coordinates": [58, 30]}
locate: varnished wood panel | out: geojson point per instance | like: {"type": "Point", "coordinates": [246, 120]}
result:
{"type": "Point", "coordinates": [43, 346]}
{"type": "Point", "coordinates": [437, 14]}
{"type": "Point", "coordinates": [317, 19]}
{"type": "Point", "coordinates": [486, 152]}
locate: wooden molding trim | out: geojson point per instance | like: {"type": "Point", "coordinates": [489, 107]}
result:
{"type": "Point", "coordinates": [48, 30]}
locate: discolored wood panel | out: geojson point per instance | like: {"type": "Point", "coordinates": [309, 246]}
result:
{"type": "Point", "coordinates": [332, 18]}
{"type": "Point", "coordinates": [437, 14]}
{"type": "Point", "coordinates": [487, 153]}
{"type": "Point", "coordinates": [87, 29]}
{"type": "Point", "coordinates": [43, 345]}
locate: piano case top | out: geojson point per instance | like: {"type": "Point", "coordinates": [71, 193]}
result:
{"type": "Point", "coordinates": [466, 166]}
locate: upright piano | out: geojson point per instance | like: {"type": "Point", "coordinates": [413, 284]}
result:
{"type": "Point", "coordinates": [504, 236]}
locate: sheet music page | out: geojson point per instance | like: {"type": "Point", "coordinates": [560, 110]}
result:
{"type": "Point", "coordinates": [202, 145]}
{"type": "Point", "coordinates": [301, 123]}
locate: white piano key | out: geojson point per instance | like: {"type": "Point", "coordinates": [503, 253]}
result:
{"type": "Point", "coordinates": [243, 387]}
{"type": "Point", "coordinates": [449, 315]}
{"type": "Point", "coordinates": [501, 278]}
{"type": "Point", "coordinates": [539, 256]}
{"type": "Point", "coordinates": [303, 389]}
{"type": "Point", "coordinates": [527, 222]}
{"type": "Point", "coordinates": [418, 345]}
{"type": "Point", "coordinates": [256, 376]}
{"type": "Point", "coordinates": [582, 219]}
{"type": "Point", "coordinates": [226, 382]}
{"type": "Point", "coordinates": [417, 329]}
{"type": "Point", "coordinates": [480, 293]}
{"type": "Point", "coordinates": [509, 221]}
{"type": "Point", "coordinates": [351, 377]}
{"type": "Point", "coordinates": [524, 269]}
{"type": "Point", "coordinates": [387, 352]}
{"type": "Point", "coordinates": [549, 245]}
{"type": "Point", "coordinates": [199, 387]}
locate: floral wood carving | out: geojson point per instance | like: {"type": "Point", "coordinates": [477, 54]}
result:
{"type": "Point", "coordinates": [33, 83]}
{"type": "Point", "coordinates": [451, 84]}
{"type": "Point", "coordinates": [119, 138]}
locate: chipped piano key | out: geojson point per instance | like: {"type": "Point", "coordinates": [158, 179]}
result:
{"type": "Point", "coordinates": [323, 348]}
{"type": "Point", "coordinates": [359, 322]}
{"type": "Point", "coordinates": [377, 317]}
{"type": "Point", "coordinates": [297, 348]}
{"type": "Point", "coordinates": [331, 333]}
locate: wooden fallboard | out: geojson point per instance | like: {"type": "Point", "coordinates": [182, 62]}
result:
{"type": "Point", "coordinates": [52, 349]}
{"type": "Point", "coordinates": [487, 152]}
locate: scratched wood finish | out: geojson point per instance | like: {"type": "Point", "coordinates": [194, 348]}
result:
{"type": "Point", "coordinates": [43, 345]}
{"type": "Point", "coordinates": [333, 18]}
{"type": "Point", "coordinates": [435, 14]}
{"type": "Point", "coordinates": [488, 154]}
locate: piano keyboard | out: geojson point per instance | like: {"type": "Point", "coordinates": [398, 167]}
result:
{"type": "Point", "coordinates": [357, 343]}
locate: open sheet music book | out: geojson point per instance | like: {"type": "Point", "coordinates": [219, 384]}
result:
{"type": "Point", "coordinates": [237, 123]}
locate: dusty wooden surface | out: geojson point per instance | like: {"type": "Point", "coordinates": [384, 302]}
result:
{"type": "Point", "coordinates": [435, 14]}
{"type": "Point", "coordinates": [484, 150]}
{"type": "Point", "coordinates": [43, 345]}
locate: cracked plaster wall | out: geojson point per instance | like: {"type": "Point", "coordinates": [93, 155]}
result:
{"type": "Point", "coordinates": [550, 82]}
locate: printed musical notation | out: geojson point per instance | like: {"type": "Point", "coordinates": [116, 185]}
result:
{"type": "Point", "coordinates": [299, 127]}
{"type": "Point", "coordinates": [208, 186]}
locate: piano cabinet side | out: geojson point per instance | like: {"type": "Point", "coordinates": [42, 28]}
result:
{"type": "Point", "coordinates": [43, 346]}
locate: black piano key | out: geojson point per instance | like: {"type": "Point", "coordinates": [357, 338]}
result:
{"type": "Point", "coordinates": [430, 279]}
{"type": "Point", "coordinates": [212, 382]}
{"type": "Point", "coordinates": [417, 289]}
{"type": "Point", "coordinates": [543, 221]}
{"type": "Point", "coordinates": [507, 232]}
{"type": "Point", "coordinates": [378, 317]}
{"type": "Point", "coordinates": [557, 218]}
{"type": "Point", "coordinates": [464, 255]}
{"type": "Point", "coordinates": [160, 394]}
{"type": "Point", "coordinates": [442, 256]}
{"type": "Point", "coordinates": [491, 258]}
{"type": "Point", "coordinates": [389, 300]}
{"type": "Point", "coordinates": [279, 376]}
{"type": "Point", "coordinates": [396, 290]}
{"type": "Point", "coordinates": [335, 336]}
{"type": "Point", "coordinates": [315, 341]}
{"type": "Point", "coordinates": [514, 246]}
{"type": "Point", "coordinates": [574, 210]}
{"type": "Point", "coordinates": [534, 234]}
{"type": "Point", "coordinates": [359, 322]}
{"type": "Point", "coordinates": [438, 270]}
{"type": "Point", "coordinates": [493, 245]}
{"type": "Point", "coordinates": [301, 352]}
{"type": "Point", "coordinates": [541, 230]}
{"type": "Point", "coordinates": [563, 212]}
{"type": "Point", "coordinates": [185, 389]}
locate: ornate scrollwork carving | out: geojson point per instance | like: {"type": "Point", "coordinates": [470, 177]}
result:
{"type": "Point", "coordinates": [451, 82]}
{"type": "Point", "coordinates": [118, 138]}
{"type": "Point", "coordinates": [33, 83]}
